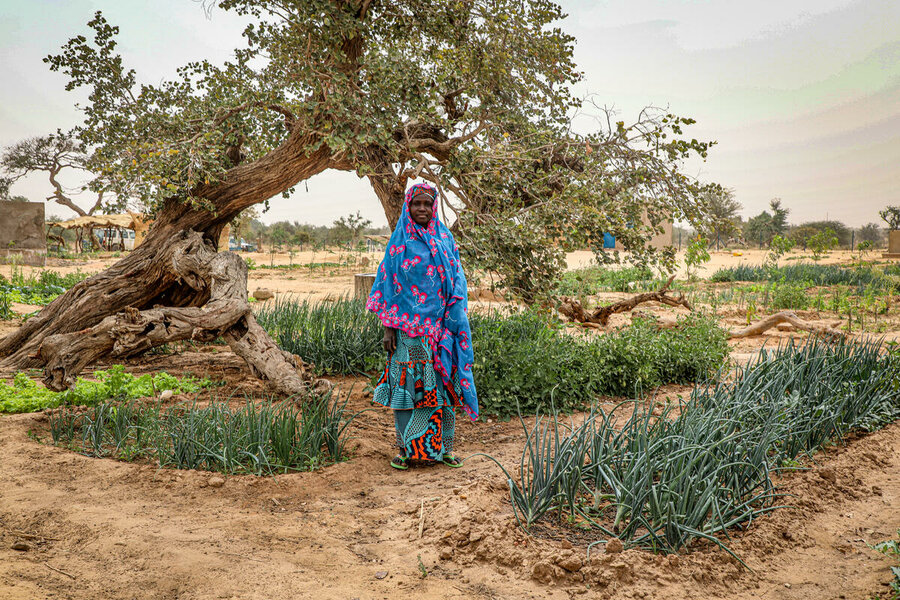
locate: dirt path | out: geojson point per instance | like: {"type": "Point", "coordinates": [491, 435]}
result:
{"type": "Point", "coordinates": [117, 530]}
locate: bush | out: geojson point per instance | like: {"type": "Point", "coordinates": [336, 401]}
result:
{"type": "Point", "coordinates": [590, 280]}
{"type": "Point", "coordinates": [524, 361]}
{"type": "Point", "coordinates": [790, 296]}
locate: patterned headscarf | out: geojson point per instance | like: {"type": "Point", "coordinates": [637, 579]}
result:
{"type": "Point", "coordinates": [420, 288]}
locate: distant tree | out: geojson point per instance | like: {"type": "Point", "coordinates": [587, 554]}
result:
{"type": "Point", "coordinates": [51, 154]}
{"type": "Point", "coordinates": [724, 218]}
{"type": "Point", "coordinates": [349, 228]}
{"type": "Point", "coordinates": [241, 224]}
{"type": "Point", "coordinates": [758, 229]}
{"type": "Point", "coordinates": [800, 235]}
{"type": "Point", "coordinates": [891, 216]}
{"type": "Point", "coordinates": [779, 217]}
{"type": "Point", "coordinates": [822, 243]}
{"type": "Point", "coordinates": [870, 232]}
{"type": "Point", "coordinates": [762, 228]}
{"type": "Point", "coordinates": [17, 199]}
{"type": "Point", "coordinates": [838, 229]}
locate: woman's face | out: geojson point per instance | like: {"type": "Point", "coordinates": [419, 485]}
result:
{"type": "Point", "coordinates": [420, 209]}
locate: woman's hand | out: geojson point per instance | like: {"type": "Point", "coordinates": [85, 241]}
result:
{"type": "Point", "coordinates": [389, 341]}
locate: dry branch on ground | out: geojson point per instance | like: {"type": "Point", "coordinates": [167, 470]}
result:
{"type": "Point", "coordinates": [785, 316]}
{"type": "Point", "coordinates": [573, 309]}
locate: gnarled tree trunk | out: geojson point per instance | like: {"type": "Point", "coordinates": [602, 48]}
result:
{"type": "Point", "coordinates": [154, 294]}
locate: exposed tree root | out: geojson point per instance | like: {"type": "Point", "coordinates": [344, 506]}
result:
{"type": "Point", "coordinates": [785, 316]}
{"type": "Point", "coordinates": [204, 273]}
{"type": "Point", "coordinates": [572, 309]}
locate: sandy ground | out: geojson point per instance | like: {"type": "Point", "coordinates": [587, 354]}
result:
{"type": "Point", "coordinates": [332, 281]}
{"type": "Point", "coordinates": [107, 529]}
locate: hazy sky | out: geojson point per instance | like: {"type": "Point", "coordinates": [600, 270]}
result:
{"type": "Point", "coordinates": [803, 96]}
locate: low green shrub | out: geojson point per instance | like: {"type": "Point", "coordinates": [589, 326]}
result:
{"type": "Point", "coordinates": [525, 361]}
{"type": "Point", "coordinates": [261, 437]}
{"type": "Point", "coordinates": [590, 280]}
{"type": "Point", "coordinates": [790, 296]}
{"type": "Point", "coordinates": [40, 290]}
{"type": "Point", "coordinates": [25, 395]}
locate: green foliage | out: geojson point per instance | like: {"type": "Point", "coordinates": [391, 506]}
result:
{"type": "Point", "coordinates": [25, 395]}
{"type": "Point", "coordinates": [790, 295]}
{"type": "Point", "coordinates": [587, 281]}
{"type": "Point", "coordinates": [697, 254]}
{"type": "Point", "coordinates": [805, 232]}
{"type": "Point", "coordinates": [523, 257]}
{"type": "Point", "coordinates": [779, 246]}
{"type": "Point", "coordinates": [40, 290]}
{"type": "Point", "coordinates": [661, 481]}
{"type": "Point", "coordinates": [723, 215]}
{"type": "Point", "coordinates": [762, 228]}
{"type": "Point", "coordinates": [350, 227]}
{"type": "Point", "coordinates": [891, 216]}
{"type": "Point", "coordinates": [822, 243]}
{"type": "Point", "coordinates": [522, 359]}
{"type": "Point", "coordinates": [261, 437]}
{"type": "Point", "coordinates": [344, 80]}
{"type": "Point", "coordinates": [891, 548]}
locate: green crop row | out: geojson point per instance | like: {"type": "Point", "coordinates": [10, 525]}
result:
{"type": "Point", "coordinates": [812, 274]}
{"type": "Point", "coordinates": [260, 437]}
{"type": "Point", "coordinates": [524, 358]}
{"type": "Point", "coordinates": [698, 469]}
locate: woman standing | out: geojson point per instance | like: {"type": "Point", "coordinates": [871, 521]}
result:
{"type": "Point", "coordinates": [421, 297]}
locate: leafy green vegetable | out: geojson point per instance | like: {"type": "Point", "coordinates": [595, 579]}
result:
{"type": "Point", "coordinates": [25, 395]}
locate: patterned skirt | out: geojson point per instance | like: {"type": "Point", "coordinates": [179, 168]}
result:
{"type": "Point", "coordinates": [423, 412]}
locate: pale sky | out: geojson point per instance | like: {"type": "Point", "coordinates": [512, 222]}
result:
{"type": "Point", "coordinates": [803, 96]}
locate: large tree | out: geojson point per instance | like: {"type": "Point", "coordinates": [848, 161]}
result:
{"type": "Point", "coordinates": [471, 95]}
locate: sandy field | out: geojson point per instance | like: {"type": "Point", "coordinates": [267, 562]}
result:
{"type": "Point", "coordinates": [105, 529]}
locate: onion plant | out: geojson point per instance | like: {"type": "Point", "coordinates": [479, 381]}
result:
{"type": "Point", "coordinates": [261, 437]}
{"type": "Point", "coordinates": [662, 481]}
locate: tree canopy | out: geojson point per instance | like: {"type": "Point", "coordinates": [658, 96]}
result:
{"type": "Point", "coordinates": [473, 96]}
{"type": "Point", "coordinates": [50, 154]}
{"type": "Point", "coordinates": [762, 228]}
{"type": "Point", "coordinates": [723, 215]}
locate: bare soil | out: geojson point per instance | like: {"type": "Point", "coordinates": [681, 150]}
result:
{"type": "Point", "coordinates": [97, 528]}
